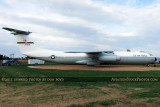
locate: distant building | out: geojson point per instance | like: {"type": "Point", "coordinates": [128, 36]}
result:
{"type": "Point", "coordinates": [1, 57]}
{"type": "Point", "coordinates": [5, 57]}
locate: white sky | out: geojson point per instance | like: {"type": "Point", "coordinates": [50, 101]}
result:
{"type": "Point", "coordinates": [83, 25]}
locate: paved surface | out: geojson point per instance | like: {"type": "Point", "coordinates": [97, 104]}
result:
{"type": "Point", "coordinates": [99, 67]}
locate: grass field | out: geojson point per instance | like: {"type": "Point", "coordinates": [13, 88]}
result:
{"type": "Point", "coordinates": [77, 94]}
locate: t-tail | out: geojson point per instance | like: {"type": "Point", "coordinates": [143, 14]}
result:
{"type": "Point", "coordinates": [23, 40]}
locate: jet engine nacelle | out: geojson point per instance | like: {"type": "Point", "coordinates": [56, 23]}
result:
{"type": "Point", "coordinates": [109, 58]}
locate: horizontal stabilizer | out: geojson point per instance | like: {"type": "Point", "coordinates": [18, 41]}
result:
{"type": "Point", "coordinates": [17, 32]}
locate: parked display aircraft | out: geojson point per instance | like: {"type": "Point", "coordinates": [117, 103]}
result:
{"type": "Point", "coordinates": [28, 48]}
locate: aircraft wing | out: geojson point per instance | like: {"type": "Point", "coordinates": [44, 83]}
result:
{"type": "Point", "coordinates": [95, 52]}
{"type": "Point", "coordinates": [16, 32]}
{"type": "Point", "coordinates": [93, 57]}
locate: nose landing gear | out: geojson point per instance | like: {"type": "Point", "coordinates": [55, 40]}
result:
{"type": "Point", "coordinates": [155, 65]}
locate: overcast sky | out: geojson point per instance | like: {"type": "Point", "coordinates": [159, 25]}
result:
{"type": "Point", "coordinates": [83, 25]}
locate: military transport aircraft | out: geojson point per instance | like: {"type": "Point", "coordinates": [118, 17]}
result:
{"type": "Point", "coordinates": [28, 48]}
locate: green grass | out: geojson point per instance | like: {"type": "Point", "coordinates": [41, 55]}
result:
{"type": "Point", "coordinates": [105, 103]}
{"type": "Point", "coordinates": [24, 71]}
{"type": "Point", "coordinates": [153, 92]}
{"type": "Point", "coordinates": [150, 101]}
{"type": "Point", "coordinates": [152, 88]}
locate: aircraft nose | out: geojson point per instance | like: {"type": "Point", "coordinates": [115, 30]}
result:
{"type": "Point", "coordinates": [157, 60]}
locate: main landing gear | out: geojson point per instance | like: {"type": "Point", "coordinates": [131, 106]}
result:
{"type": "Point", "coordinates": [147, 65]}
